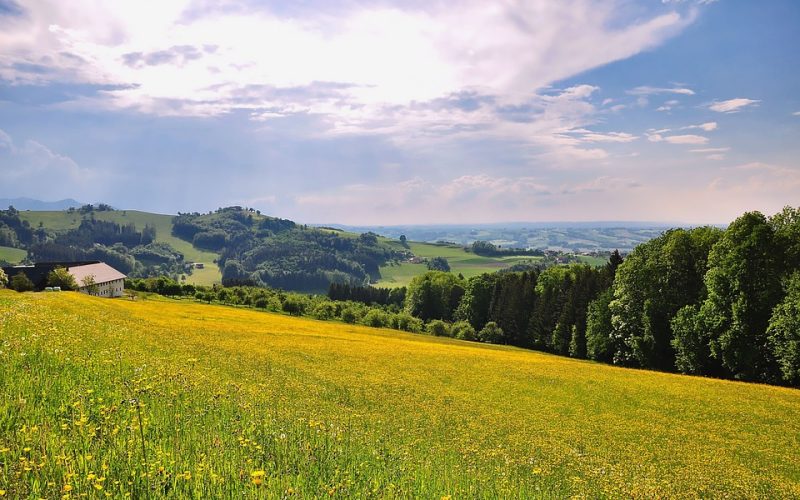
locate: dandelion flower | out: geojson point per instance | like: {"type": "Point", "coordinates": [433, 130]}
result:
{"type": "Point", "coordinates": [257, 477]}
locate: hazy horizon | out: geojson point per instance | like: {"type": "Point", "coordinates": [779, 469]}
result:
{"type": "Point", "coordinates": [650, 223]}
{"type": "Point", "coordinates": [370, 113]}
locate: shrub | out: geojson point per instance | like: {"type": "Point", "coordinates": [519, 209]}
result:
{"type": "Point", "coordinates": [3, 279]}
{"type": "Point", "coordinates": [491, 333]}
{"type": "Point", "coordinates": [226, 296]}
{"type": "Point", "coordinates": [60, 277]}
{"type": "Point", "coordinates": [376, 318]}
{"type": "Point", "coordinates": [274, 304]}
{"type": "Point", "coordinates": [294, 305]}
{"type": "Point", "coordinates": [438, 328]}
{"type": "Point", "coordinates": [407, 323]}
{"type": "Point", "coordinates": [324, 310]}
{"type": "Point", "coordinates": [349, 315]}
{"type": "Point", "coordinates": [439, 264]}
{"type": "Point", "coordinates": [21, 283]}
{"type": "Point", "coordinates": [464, 331]}
{"type": "Point", "coordinates": [261, 302]}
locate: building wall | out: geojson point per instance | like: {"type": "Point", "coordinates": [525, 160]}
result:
{"type": "Point", "coordinates": [115, 288]}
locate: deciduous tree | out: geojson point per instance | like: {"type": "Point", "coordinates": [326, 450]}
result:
{"type": "Point", "coordinates": [60, 277]}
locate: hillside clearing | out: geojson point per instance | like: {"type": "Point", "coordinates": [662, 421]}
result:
{"type": "Point", "coordinates": [466, 263]}
{"type": "Point", "coordinates": [233, 401]}
{"type": "Point", "coordinates": [63, 220]}
{"type": "Point", "coordinates": [12, 255]}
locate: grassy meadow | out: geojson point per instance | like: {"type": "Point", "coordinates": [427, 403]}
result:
{"type": "Point", "coordinates": [466, 263]}
{"type": "Point", "coordinates": [156, 397]}
{"type": "Point", "coordinates": [62, 220]}
{"type": "Point", "coordinates": [12, 255]}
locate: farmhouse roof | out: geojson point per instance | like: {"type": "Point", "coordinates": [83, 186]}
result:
{"type": "Point", "coordinates": [101, 272]}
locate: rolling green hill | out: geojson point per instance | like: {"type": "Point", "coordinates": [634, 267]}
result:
{"type": "Point", "coordinates": [62, 220]}
{"type": "Point", "coordinates": [12, 255]}
{"type": "Point", "coordinates": [179, 399]}
{"type": "Point", "coordinates": [393, 274]}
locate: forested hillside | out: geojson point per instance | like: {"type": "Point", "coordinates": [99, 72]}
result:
{"type": "Point", "coordinates": [266, 251]}
{"type": "Point", "coordinates": [130, 248]}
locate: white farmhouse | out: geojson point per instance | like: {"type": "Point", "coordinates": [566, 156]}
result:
{"type": "Point", "coordinates": [108, 282]}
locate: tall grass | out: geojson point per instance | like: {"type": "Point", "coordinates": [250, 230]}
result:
{"type": "Point", "coordinates": [116, 398]}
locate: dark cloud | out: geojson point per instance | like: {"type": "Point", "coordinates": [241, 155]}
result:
{"type": "Point", "coordinates": [69, 56]}
{"type": "Point", "coordinates": [465, 101]}
{"type": "Point", "coordinates": [520, 113]}
{"type": "Point", "coordinates": [313, 91]}
{"type": "Point", "coordinates": [32, 68]}
{"type": "Point", "coordinates": [177, 54]}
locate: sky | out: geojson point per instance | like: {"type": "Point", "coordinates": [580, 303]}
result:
{"type": "Point", "coordinates": [412, 112]}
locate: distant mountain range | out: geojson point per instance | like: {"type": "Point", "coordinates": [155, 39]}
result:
{"type": "Point", "coordinates": [31, 204]}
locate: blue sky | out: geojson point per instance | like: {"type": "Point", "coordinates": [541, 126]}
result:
{"type": "Point", "coordinates": [385, 112]}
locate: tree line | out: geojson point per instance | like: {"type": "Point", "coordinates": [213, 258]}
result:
{"type": "Point", "coordinates": [704, 301]}
{"type": "Point", "coordinates": [488, 249]}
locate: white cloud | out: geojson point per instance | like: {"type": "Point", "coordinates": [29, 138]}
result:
{"type": "Point", "coordinates": [716, 154]}
{"type": "Point", "coordinates": [543, 121]}
{"type": "Point", "coordinates": [171, 58]}
{"type": "Point", "coordinates": [602, 184]}
{"type": "Point", "coordinates": [658, 136]}
{"type": "Point", "coordinates": [732, 105]}
{"type": "Point", "coordinates": [48, 174]}
{"type": "Point", "coordinates": [686, 139]}
{"type": "Point", "coordinates": [796, 113]}
{"type": "Point", "coordinates": [708, 127]}
{"type": "Point", "coordinates": [772, 185]}
{"type": "Point", "coordinates": [590, 136]}
{"type": "Point", "coordinates": [646, 90]}
{"type": "Point", "coordinates": [710, 150]}
{"type": "Point", "coordinates": [668, 105]}
{"type": "Point", "coordinates": [460, 199]}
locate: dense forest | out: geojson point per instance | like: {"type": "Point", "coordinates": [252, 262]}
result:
{"type": "Point", "coordinates": [265, 251]}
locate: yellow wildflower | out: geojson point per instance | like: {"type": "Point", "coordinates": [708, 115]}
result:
{"type": "Point", "coordinates": [257, 477]}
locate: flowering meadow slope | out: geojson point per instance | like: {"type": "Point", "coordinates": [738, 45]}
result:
{"type": "Point", "coordinates": [169, 398]}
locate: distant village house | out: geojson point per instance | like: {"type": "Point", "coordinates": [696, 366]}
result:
{"type": "Point", "coordinates": [92, 277]}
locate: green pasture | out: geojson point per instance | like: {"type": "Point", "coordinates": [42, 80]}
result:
{"type": "Point", "coordinates": [63, 220]}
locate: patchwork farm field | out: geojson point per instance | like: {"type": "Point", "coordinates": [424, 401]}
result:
{"type": "Point", "coordinates": [466, 263]}
{"type": "Point", "coordinates": [169, 398]}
